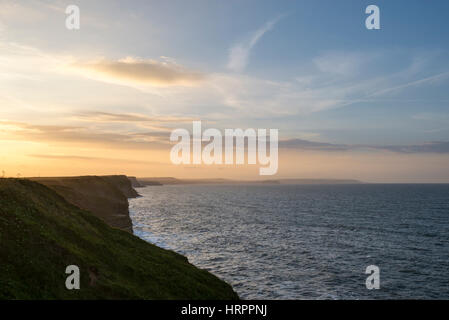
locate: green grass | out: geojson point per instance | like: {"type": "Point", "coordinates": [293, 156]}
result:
{"type": "Point", "coordinates": [41, 234]}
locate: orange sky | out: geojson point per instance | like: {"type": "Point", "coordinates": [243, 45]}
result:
{"type": "Point", "coordinates": [104, 99]}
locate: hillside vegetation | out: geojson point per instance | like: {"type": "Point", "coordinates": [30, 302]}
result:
{"type": "Point", "coordinates": [105, 196]}
{"type": "Point", "coordinates": [41, 233]}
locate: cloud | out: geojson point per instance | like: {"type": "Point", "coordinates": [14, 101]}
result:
{"type": "Point", "coordinates": [311, 145]}
{"type": "Point", "coordinates": [18, 126]}
{"type": "Point", "coordinates": [252, 96]}
{"type": "Point", "coordinates": [82, 136]}
{"type": "Point", "coordinates": [429, 147]}
{"type": "Point", "coordinates": [83, 158]}
{"type": "Point", "coordinates": [98, 116]}
{"type": "Point", "coordinates": [160, 125]}
{"type": "Point", "coordinates": [139, 71]}
{"type": "Point", "coordinates": [63, 157]}
{"type": "Point", "coordinates": [416, 83]}
{"type": "Point", "coordinates": [211, 96]}
{"type": "Point", "coordinates": [342, 63]}
{"type": "Point", "coordinates": [239, 53]}
{"type": "Point", "coordinates": [148, 140]}
{"type": "Point", "coordinates": [439, 147]}
{"type": "Point", "coordinates": [339, 79]}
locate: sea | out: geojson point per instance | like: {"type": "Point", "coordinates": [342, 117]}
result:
{"type": "Point", "coordinates": [306, 241]}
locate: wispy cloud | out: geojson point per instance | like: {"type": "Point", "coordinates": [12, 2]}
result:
{"type": "Point", "coordinates": [438, 147]}
{"type": "Point", "coordinates": [424, 81]}
{"type": "Point", "coordinates": [342, 63]}
{"type": "Point", "coordinates": [168, 88]}
{"type": "Point", "coordinates": [312, 145]}
{"type": "Point", "coordinates": [429, 147]}
{"type": "Point", "coordinates": [239, 53]}
{"type": "Point", "coordinates": [85, 158]}
{"type": "Point", "coordinates": [63, 157]}
{"type": "Point", "coordinates": [83, 136]}
{"type": "Point", "coordinates": [99, 116]}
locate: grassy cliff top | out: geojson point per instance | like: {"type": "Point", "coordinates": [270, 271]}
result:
{"type": "Point", "coordinates": [105, 196]}
{"type": "Point", "coordinates": [41, 233]}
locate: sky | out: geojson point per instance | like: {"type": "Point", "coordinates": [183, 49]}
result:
{"type": "Point", "coordinates": [348, 102]}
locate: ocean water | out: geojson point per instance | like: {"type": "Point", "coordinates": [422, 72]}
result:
{"type": "Point", "coordinates": [306, 241]}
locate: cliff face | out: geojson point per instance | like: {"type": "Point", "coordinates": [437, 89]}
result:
{"type": "Point", "coordinates": [135, 183]}
{"type": "Point", "coordinates": [41, 234]}
{"type": "Point", "coordinates": [123, 183]}
{"type": "Point", "coordinates": [104, 196]}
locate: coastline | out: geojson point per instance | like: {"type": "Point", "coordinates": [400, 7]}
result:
{"type": "Point", "coordinates": [44, 227]}
{"type": "Point", "coordinates": [105, 196]}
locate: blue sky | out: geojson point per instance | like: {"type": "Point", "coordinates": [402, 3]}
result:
{"type": "Point", "coordinates": [309, 68]}
{"type": "Point", "coordinates": [410, 47]}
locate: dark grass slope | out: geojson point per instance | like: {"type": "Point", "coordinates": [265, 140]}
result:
{"type": "Point", "coordinates": [41, 234]}
{"type": "Point", "coordinates": [104, 196]}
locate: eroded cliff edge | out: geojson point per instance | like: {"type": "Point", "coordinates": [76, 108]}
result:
{"type": "Point", "coordinates": [104, 196]}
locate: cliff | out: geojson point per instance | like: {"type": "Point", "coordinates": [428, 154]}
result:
{"type": "Point", "coordinates": [41, 233]}
{"type": "Point", "coordinates": [135, 183]}
{"type": "Point", "coordinates": [104, 196]}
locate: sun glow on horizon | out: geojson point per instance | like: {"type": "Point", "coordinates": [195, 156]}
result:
{"type": "Point", "coordinates": [103, 99]}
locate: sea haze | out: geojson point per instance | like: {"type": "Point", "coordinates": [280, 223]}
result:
{"type": "Point", "coordinates": [306, 241]}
